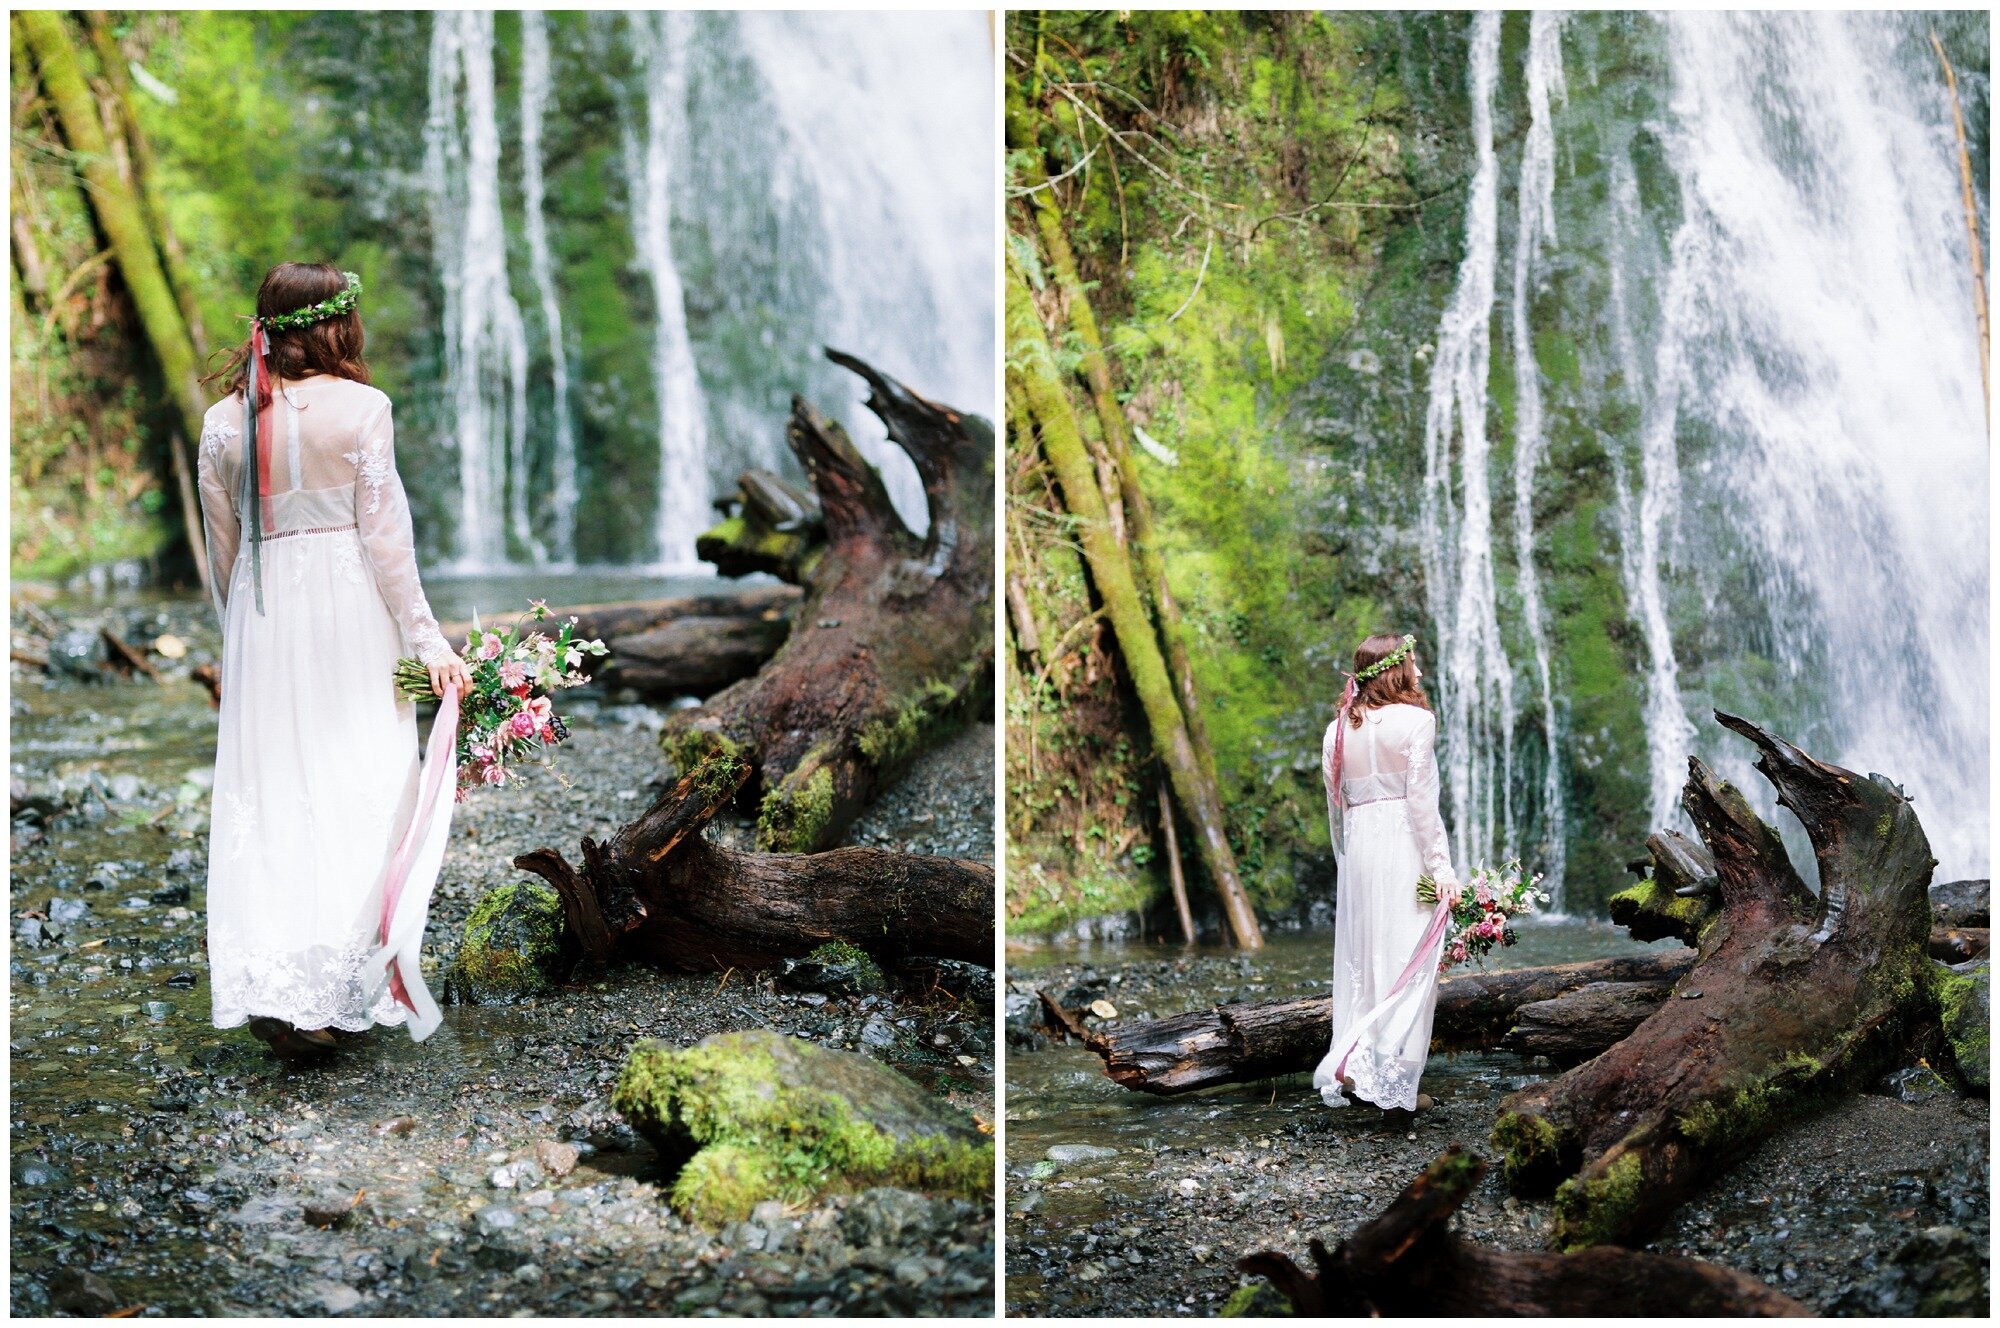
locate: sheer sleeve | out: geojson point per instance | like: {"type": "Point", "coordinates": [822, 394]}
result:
{"type": "Point", "coordinates": [382, 515]}
{"type": "Point", "coordinates": [220, 530]}
{"type": "Point", "coordinates": [1333, 822]}
{"type": "Point", "coordinates": [1425, 819]}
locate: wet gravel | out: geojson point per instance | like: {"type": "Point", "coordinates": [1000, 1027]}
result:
{"type": "Point", "coordinates": [1124, 1204]}
{"type": "Point", "coordinates": [165, 1167]}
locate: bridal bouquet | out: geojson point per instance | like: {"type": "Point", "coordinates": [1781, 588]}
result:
{"type": "Point", "coordinates": [507, 718]}
{"type": "Point", "coordinates": [1478, 921]}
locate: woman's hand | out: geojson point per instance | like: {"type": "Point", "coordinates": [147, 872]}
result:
{"type": "Point", "coordinates": [1449, 893]}
{"type": "Point", "coordinates": [451, 670]}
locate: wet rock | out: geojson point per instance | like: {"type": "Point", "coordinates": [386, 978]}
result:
{"type": "Point", "coordinates": [77, 653]}
{"type": "Point", "coordinates": [496, 1218]}
{"type": "Point", "coordinates": [181, 860]}
{"type": "Point", "coordinates": [63, 912]}
{"type": "Point", "coordinates": [1258, 1300]}
{"type": "Point", "coordinates": [762, 1116]}
{"type": "Point", "coordinates": [158, 1009]}
{"type": "Point", "coordinates": [125, 787]}
{"type": "Point", "coordinates": [835, 969]}
{"type": "Point", "coordinates": [328, 1210]}
{"type": "Point", "coordinates": [879, 1033]}
{"type": "Point", "coordinates": [336, 1298]}
{"type": "Point", "coordinates": [884, 1218]}
{"type": "Point", "coordinates": [34, 1173]}
{"type": "Point", "coordinates": [1070, 1154]}
{"type": "Point", "coordinates": [1960, 904]}
{"type": "Point", "coordinates": [175, 892]}
{"type": "Point", "coordinates": [1964, 1002]}
{"type": "Point", "coordinates": [82, 1293]}
{"type": "Point", "coordinates": [104, 876]}
{"type": "Point", "coordinates": [29, 933]}
{"type": "Point", "coordinates": [511, 946]}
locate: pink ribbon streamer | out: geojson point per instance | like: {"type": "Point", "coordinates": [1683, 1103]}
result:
{"type": "Point", "coordinates": [444, 739]}
{"type": "Point", "coordinates": [1433, 935]}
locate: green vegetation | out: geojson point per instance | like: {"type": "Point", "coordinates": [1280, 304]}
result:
{"type": "Point", "coordinates": [511, 945]}
{"type": "Point", "coordinates": [752, 1116]}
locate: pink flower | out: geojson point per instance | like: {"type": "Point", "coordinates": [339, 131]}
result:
{"type": "Point", "coordinates": [490, 646]}
{"type": "Point", "coordinates": [523, 724]}
{"type": "Point", "coordinates": [513, 674]}
{"type": "Point", "coordinates": [494, 774]}
{"type": "Point", "coordinates": [540, 709]}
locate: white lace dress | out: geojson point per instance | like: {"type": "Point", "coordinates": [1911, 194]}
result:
{"type": "Point", "coordinates": [316, 769]}
{"type": "Point", "coordinates": [1391, 834]}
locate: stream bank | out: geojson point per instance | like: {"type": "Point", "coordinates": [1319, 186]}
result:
{"type": "Point", "coordinates": [1123, 1203]}
{"type": "Point", "coordinates": [165, 1166]}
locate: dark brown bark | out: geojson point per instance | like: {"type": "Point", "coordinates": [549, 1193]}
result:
{"type": "Point", "coordinates": [658, 890]}
{"type": "Point", "coordinates": [894, 641]}
{"type": "Point", "coordinates": [1409, 1261]}
{"type": "Point", "coordinates": [1580, 1024]}
{"type": "Point", "coordinates": [689, 645]}
{"type": "Point", "coordinates": [1790, 997]}
{"type": "Point", "coordinates": [1244, 1043]}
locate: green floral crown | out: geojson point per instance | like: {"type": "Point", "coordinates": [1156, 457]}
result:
{"type": "Point", "coordinates": [333, 306]}
{"type": "Point", "coordinates": [1388, 661]}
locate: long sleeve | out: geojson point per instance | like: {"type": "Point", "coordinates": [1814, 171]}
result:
{"type": "Point", "coordinates": [382, 515]}
{"type": "Point", "coordinates": [1333, 821]}
{"type": "Point", "coordinates": [220, 528]}
{"type": "Point", "coordinates": [1425, 819]}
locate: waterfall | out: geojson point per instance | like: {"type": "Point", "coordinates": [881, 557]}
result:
{"type": "Point", "coordinates": [1476, 686]}
{"type": "Point", "coordinates": [1535, 221]}
{"type": "Point", "coordinates": [1817, 337]}
{"type": "Point", "coordinates": [486, 348]}
{"type": "Point", "coordinates": [534, 105]}
{"type": "Point", "coordinates": [661, 40]}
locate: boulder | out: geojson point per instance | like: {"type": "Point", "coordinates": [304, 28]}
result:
{"type": "Point", "coordinates": [512, 945]}
{"type": "Point", "coordinates": [837, 968]}
{"type": "Point", "coordinates": [751, 1116]}
{"type": "Point", "coordinates": [1964, 1001]}
{"type": "Point", "coordinates": [1959, 904]}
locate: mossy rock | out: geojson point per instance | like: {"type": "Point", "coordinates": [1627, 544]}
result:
{"type": "Point", "coordinates": [512, 945]}
{"type": "Point", "coordinates": [1256, 1300]}
{"type": "Point", "coordinates": [1964, 1005]}
{"type": "Point", "coordinates": [838, 968]}
{"type": "Point", "coordinates": [749, 1116]}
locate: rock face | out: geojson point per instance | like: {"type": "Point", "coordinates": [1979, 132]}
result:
{"type": "Point", "coordinates": [1964, 1001]}
{"type": "Point", "coordinates": [753, 1116]}
{"type": "Point", "coordinates": [1960, 903]}
{"type": "Point", "coordinates": [512, 943]}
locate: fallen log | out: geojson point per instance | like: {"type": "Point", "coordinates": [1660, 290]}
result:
{"type": "Point", "coordinates": [1262, 1040]}
{"type": "Point", "coordinates": [658, 890]}
{"type": "Point", "coordinates": [1790, 996]}
{"type": "Point", "coordinates": [770, 525]}
{"type": "Point", "coordinates": [687, 645]}
{"type": "Point", "coordinates": [1580, 1024]}
{"type": "Point", "coordinates": [1409, 1261]}
{"type": "Point", "coordinates": [894, 640]}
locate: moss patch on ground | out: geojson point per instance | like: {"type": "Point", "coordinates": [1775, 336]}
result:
{"type": "Point", "coordinates": [756, 1115]}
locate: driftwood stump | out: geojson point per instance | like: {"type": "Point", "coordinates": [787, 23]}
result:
{"type": "Point", "coordinates": [894, 640]}
{"type": "Point", "coordinates": [1790, 996]}
{"type": "Point", "coordinates": [1409, 1262]}
{"type": "Point", "coordinates": [658, 890]}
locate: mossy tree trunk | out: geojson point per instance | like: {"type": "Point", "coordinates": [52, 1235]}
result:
{"type": "Point", "coordinates": [894, 642]}
{"type": "Point", "coordinates": [1790, 997]}
{"type": "Point", "coordinates": [1032, 363]}
{"type": "Point", "coordinates": [123, 220]}
{"type": "Point", "coordinates": [1409, 1261]}
{"type": "Point", "coordinates": [658, 890]}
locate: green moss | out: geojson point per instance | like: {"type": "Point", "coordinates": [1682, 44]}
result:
{"type": "Point", "coordinates": [1598, 1210]}
{"type": "Point", "coordinates": [686, 747]}
{"type": "Point", "coordinates": [1255, 1300]}
{"type": "Point", "coordinates": [1752, 1110]}
{"type": "Point", "coordinates": [794, 815]}
{"type": "Point", "coordinates": [512, 943]}
{"type": "Point", "coordinates": [1530, 1152]}
{"type": "Point", "coordinates": [753, 1116]}
{"type": "Point", "coordinates": [888, 743]}
{"type": "Point", "coordinates": [1962, 1004]}
{"type": "Point", "coordinates": [1650, 911]}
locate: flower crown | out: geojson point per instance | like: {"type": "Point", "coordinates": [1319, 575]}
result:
{"type": "Point", "coordinates": [1388, 661]}
{"type": "Point", "coordinates": [342, 302]}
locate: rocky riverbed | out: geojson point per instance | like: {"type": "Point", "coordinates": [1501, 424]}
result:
{"type": "Point", "coordinates": [165, 1167]}
{"type": "Point", "coordinates": [1121, 1203]}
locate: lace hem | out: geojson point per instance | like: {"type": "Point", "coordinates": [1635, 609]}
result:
{"type": "Point", "coordinates": [319, 988]}
{"type": "Point", "coordinates": [1384, 1081]}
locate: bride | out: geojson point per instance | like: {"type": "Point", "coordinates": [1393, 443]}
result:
{"type": "Point", "coordinates": [1381, 775]}
{"type": "Point", "coordinates": [322, 845]}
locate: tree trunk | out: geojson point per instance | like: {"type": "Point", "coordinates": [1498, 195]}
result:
{"type": "Point", "coordinates": [1033, 362]}
{"type": "Point", "coordinates": [690, 645]}
{"type": "Point", "coordinates": [1579, 1024]}
{"type": "Point", "coordinates": [123, 221]}
{"type": "Point", "coordinates": [1233, 1044]}
{"type": "Point", "coordinates": [894, 641]}
{"type": "Point", "coordinates": [1410, 1262]}
{"type": "Point", "coordinates": [658, 890]}
{"type": "Point", "coordinates": [1790, 997]}
{"type": "Point", "coordinates": [774, 527]}
{"type": "Point", "coordinates": [1176, 880]}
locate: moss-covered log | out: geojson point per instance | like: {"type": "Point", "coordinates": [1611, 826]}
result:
{"type": "Point", "coordinates": [770, 526]}
{"type": "Point", "coordinates": [894, 642]}
{"type": "Point", "coordinates": [1790, 997]}
{"type": "Point", "coordinates": [686, 645]}
{"type": "Point", "coordinates": [1033, 365]}
{"type": "Point", "coordinates": [659, 890]}
{"type": "Point", "coordinates": [1233, 1044]}
{"type": "Point", "coordinates": [1409, 1261]}
{"type": "Point", "coordinates": [740, 1118]}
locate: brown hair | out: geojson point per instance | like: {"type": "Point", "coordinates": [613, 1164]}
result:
{"type": "Point", "coordinates": [330, 346]}
{"type": "Point", "coordinates": [1396, 686]}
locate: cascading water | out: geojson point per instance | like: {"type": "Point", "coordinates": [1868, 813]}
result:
{"type": "Point", "coordinates": [534, 106]}
{"type": "Point", "coordinates": [776, 182]}
{"type": "Point", "coordinates": [486, 348]}
{"type": "Point", "coordinates": [1476, 686]}
{"type": "Point", "coordinates": [662, 40]}
{"type": "Point", "coordinates": [1760, 314]}
{"type": "Point", "coordinates": [1535, 222]}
